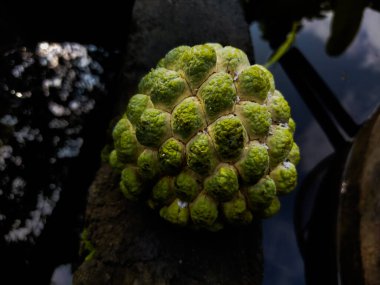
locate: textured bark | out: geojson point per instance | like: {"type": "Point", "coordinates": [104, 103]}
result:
{"type": "Point", "coordinates": [133, 245]}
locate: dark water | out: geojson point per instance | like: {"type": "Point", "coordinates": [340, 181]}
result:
{"type": "Point", "coordinates": [52, 101]}
{"type": "Point", "coordinates": [354, 78]}
{"type": "Point", "coordinates": [46, 95]}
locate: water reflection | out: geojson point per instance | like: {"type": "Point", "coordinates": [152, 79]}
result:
{"type": "Point", "coordinates": [46, 95]}
{"type": "Point", "coordinates": [354, 74]}
{"type": "Point", "coordinates": [368, 39]}
{"type": "Point", "coordinates": [277, 18]}
{"type": "Point", "coordinates": [353, 77]}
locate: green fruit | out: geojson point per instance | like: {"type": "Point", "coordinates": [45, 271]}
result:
{"type": "Point", "coordinates": [207, 141]}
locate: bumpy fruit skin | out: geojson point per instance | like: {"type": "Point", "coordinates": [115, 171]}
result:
{"type": "Point", "coordinates": [208, 140]}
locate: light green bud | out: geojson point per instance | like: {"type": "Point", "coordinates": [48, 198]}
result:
{"type": "Point", "coordinates": [204, 211]}
{"type": "Point", "coordinates": [261, 195]}
{"type": "Point", "coordinates": [255, 83]}
{"type": "Point", "coordinates": [256, 118]}
{"type": "Point", "coordinates": [272, 209]}
{"type": "Point", "coordinates": [279, 142]}
{"type": "Point", "coordinates": [285, 177]}
{"type": "Point", "coordinates": [197, 64]}
{"type": "Point", "coordinates": [153, 128]}
{"type": "Point", "coordinates": [229, 137]}
{"type": "Point", "coordinates": [215, 46]}
{"type": "Point", "coordinates": [187, 119]}
{"type": "Point", "coordinates": [172, 59]}
{"type": "Point", "coordinates": [279, 108]}
{"type": "Point", "coordinates": [162, 192]}
{"type": "Point", "coordinates": [218, 95]}
{"type": "Point", "coordinates": [136, 106]}
{"type": "Point", "coordinates": [231, 60]}
{"type": "Point", "coordinates": [130, 183]}
{"type": "Point", "coordinates": [171, 155]}
{"type": "Point", "coordinates": [148, 164]}
{"type": "Point", "coordinates": [200, 154]}
{"type": "Point", "coordinates": [115, 162]}
{"type": "Point", "coordinates": [254, 163]}
{"type": "Point", "coordinates": [292, 125]}
{"type": "Point", "coordinates": [176, 213]}
{"type": "Point", "coordinates": [165, 87]}
{"type": "Point", "coordinates": [186, 186]}
{"type": "Point", "coordinates": [125, 142]}
{"type": "Point", "coordinates": [236, 211]}
{"type": "Point", "coordinates": [223, 184]}
{"type": "Point", "coordinates": [294, 155]}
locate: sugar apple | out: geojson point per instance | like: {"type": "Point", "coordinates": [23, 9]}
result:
{"type": "Point", "coordinates": [208, 140]}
